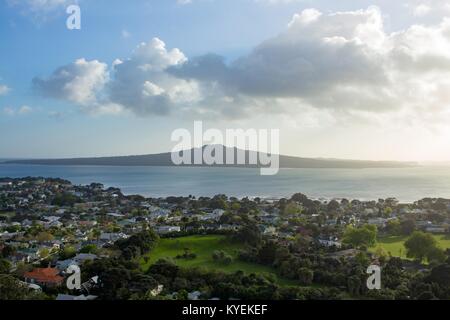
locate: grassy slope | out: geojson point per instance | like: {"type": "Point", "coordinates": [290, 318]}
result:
{"type": "Point", "coordinates": [203, 247]}
{"type": "Point", "coordinates": [7, 214]}
{"type": "Point", "coordinates": [395, 244]}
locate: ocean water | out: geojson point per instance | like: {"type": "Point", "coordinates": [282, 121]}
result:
{"type": "Point", "coordinates": [406, 184]}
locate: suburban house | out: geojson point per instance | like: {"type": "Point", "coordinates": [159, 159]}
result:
{"type": "Point", "coordinates": [329, 243]}
{"type": "Point", "coordinates": [112, 237]}
{"type": "Point", "coordinates": [67, 297]}
{"type": "Point", "coordinates": [167, 229]}
{"type": "Point", "coordinates": [379, 222]}
{"type": "Point", "coordinates": [48, 277]}
{"type": "Point", "coordinates": [82, 257]}
{"type": "Point", "coordinates": [435, 229]}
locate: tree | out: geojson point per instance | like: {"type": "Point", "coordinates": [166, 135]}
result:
{"type": "Point", "coordinates": [165, 268]}
{"type": "Point", "coordinates": [381, 254]}
{"type": "Point", "coordinates": [362, 236]}
{"type": "Point", "coordinates": [8, 251]}
{"type": "Point", "coordinates": [96, 233]}
{"type": "Point", "coordinates": [421, 245]}
{"type": "Point", "coordinates": [65, 199]}
{"type": "Point", "coordinates": [44, 236]}
{"type": "Point", "coordinates": [299, 197]}
{"type": "Point", "coordinates": [222, 256]}
{"type": "Point", "coordinates": [44, 252]}
{"type": "Point", "coordinates": [67, 253]}
{"type": "Point", "coordinates": [305, 276]}
{"type": "Point", "coordinates": [249, 234]}
{"type": "Point", "coordinates": [219, 202]}
{"type": "Point", "coordinates": [387, 212]}
{"type": "Point", "coordinates": [267, 253]}
{"type": "Point", "coordinates": [89, 248]}
{"type": "Point", "coordinates": [393, 227]}
{"type": "Point", "coordinates": [440, 275]}
{"type": "Point", "coordinates": [13, 289]}
{"type": "Point", "coordinates": [407, 227]}
{"type": "Point", "coordinates": [5, 266]}
{"type": "Point", "coordinates": [137, 244]}
{"type": "Point", "coordinates": [332, 206]}
{"type": "Point", "coordinates": [292, 208]}
{"type": "Point", "coordinates": [21, 268]}
{"type": "Point", "coordinates": [354, 285]}
{"type": "Point", "coordinates": [436, 255]}
{"type": "Point", "coordinates": [182, 295]}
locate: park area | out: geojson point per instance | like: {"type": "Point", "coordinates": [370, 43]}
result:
{"type": "Point", "coordinates": [204, 246]}
{"type": "Point", "coordinates": [394, 245]}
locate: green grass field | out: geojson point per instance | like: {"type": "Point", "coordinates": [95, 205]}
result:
{"type": "Point", "coordinates": [203, 247]}
{"type": "Point", "coordinates": [7, 214]}
{"type": "Point", "coordinates": [395, 244]}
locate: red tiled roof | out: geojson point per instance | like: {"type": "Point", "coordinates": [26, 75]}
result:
{"type": "Point", "coordinates": [44, 275]}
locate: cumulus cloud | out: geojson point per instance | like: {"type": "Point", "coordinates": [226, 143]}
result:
{"type": "Point", "coordinates": [343, 63]}
{"type": "Point", "coordinates": [4, 89]}
{"type": "Point", "coordinates": [80, 82]}
{"type": "Point", "coordinates": [421, 8]}
{"type": "Point", "coordinates": [321, 59]}
{"type": "Point", "coordinates": [140, 83]}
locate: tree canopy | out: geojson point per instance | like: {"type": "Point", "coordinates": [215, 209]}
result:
{"type": "Point", "coordinates": [421, 246]}
{"type": "Point", "coordinates": [362, 236]}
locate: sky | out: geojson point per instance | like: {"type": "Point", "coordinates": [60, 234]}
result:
{"type": "Point", "coordinates": [351, 79]}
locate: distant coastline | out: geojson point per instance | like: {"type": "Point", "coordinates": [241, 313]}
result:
{"type": "Point", "coordinates": [164, 159]}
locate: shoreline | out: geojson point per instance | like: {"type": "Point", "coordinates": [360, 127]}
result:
{"type": "Point", "coordinates": [267, 198]}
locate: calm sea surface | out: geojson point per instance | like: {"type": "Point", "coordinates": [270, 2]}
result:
{"type": "Point", "coordinates": [407, 184]}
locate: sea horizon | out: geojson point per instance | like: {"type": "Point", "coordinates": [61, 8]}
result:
{"type": "Point", "coordinates": [405, 184]}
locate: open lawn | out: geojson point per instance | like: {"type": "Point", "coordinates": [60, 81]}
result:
{"type": "Point", "coordinates": [395, 244]}
{"type": "Point", "coordinates": [203, 247]}
{"type": "Point", "coordinates": [7, 214]}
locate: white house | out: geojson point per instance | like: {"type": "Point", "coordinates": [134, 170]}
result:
{"type": "Point", "coordinates": [167, 229]}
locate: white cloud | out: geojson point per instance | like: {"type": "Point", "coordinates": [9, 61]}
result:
{"type": "Point", "coordinates": [150, 89]}
{"type": "Point", "coordinates": [41, 10]}
{"type": "Point", "coordinates": [343, 61]}
{"type": "Point", "coordinates": [184, 2]}
{"type": "Point", "coordinates": [4, 89]}
{"type": "Point", "coordinates": [80, 82]}
{"type": "Point", "coordinates": [138, 83]}
{"type": "Point", "coordinates": [421, 8]}
{"type": "Point", "coordinates": [307, 16]}
{"type": "Point", "coordinates": [343, 64]}
{"type": "Point", "coordinates": [125, 34]}
{"type": "Point", "coordinates": [25, 110]}
{"type": "Point", "coordinates": [321, 60]}
{"type": "Point", "coordinates": [141, 84]}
